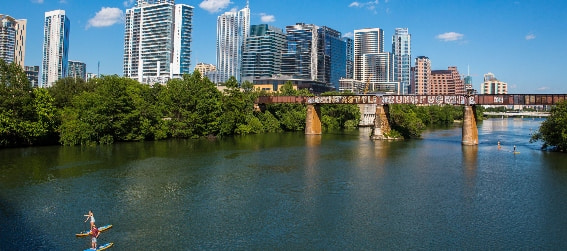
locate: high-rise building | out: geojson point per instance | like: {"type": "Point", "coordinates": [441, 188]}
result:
{"type": "Point", "coordinates": [401, 48]}
{"type": "Point", "coordinates": [492, 85]}
{"type": "Point", "coordinates": [331, 56]}
{"type": "Point", "coordinates": [422, 76]}
{"type": "Point", "coordinates": [32, 72]}
{"type": "Point", "coordinates": [314, 53]}
{"type": "Point", "coordinates": [446, 82]}
{"type": "Point", "coordinates": [378, 72]}
{"type": "Point", "coordinates": [300, 57]}
{"type": "Point", "coordinates": [233, 27]}
{"type": "Point", "coordinates": [12, 39]}
{"type": "Point", "coordinates": [262, 53]}
{"type": "Point", "coordinates": [157, 41]}
{"type": "Point", "coordinates": [77, 70]}
{"type": "Point", "coordinates": [366, 41]}
{"type": "Point", "coordinates": [349, 57]}
{"type": "Point", "coordinates": [55, 47]}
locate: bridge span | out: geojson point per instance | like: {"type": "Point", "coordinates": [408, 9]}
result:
{"type": "Point", "coordinates": [381, 125]}
{"type": "Point", "coordinates": [477, 99]}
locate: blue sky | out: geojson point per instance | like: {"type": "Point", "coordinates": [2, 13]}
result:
{"type": "Point", "coordinates": [523, 42]}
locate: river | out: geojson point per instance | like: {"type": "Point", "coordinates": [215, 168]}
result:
{"type": "Point", "coordinates": [289, 191]}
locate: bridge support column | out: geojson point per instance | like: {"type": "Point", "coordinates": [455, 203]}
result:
{"type": "Point", "coordinates": [313, 120]}
{"type": "Point", "coordinates": [381, 124]}
{"type": "Point", "coordinates": [470, 132]}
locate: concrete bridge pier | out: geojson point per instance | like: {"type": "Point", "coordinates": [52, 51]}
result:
{"type": "Point", "coordinates": [381, 124]}
{"type": "Point", "coordinates": [313, 120]}
{"type": "Point", "coordinates": [470, 132]}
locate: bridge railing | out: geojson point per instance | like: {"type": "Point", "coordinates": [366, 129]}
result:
{"type": "Point", "coordinates": [478, 99]}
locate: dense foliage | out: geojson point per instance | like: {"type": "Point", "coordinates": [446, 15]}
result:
{"type": "Point", "coordinates": [409, 121]}
{"type": "Point", "coordinates": [27, 116]}
{"type": "Point", "coordinates": [553, 131]}
{"type": "Point", "coordinates": [117, 109]}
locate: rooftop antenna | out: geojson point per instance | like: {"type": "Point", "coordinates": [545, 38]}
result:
{"type": "Point", "coordinates": [247, 3]}
{"type": "Point", "coordinates": [468, 70]}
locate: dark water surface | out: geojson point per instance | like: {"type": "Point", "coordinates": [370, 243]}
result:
{"type": "Point", "coordinates": [292, 192]}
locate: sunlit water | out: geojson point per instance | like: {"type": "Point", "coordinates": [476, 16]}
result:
{"type": "Point", "coordinates": [289, 191]}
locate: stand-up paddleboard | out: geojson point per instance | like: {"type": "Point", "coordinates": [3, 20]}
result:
{"type": "Point", "coordinates": [86, 233]}
{"type": "Point", "coordinates": [516, 152]}
{"type": "Point", "coordinates": [101, 247]}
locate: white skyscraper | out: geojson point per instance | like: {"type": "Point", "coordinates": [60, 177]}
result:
{"type": "Point", "coordinates": [366, 41]}
{"type": "Point", "coordinates": [55, 47]}
{"type": "Point", "coordinates": [157, 41]}
{"type": "Point", "coordinates": [232, 30]}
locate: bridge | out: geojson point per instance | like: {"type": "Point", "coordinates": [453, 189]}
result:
{"type": "Point", "coordinates": [381, 124]}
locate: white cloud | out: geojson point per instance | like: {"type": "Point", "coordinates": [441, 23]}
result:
{"type": "Point", "coordinates": [354, 4]}
{"type": "Point", "coordinates": [348, 34]}
{"type": "Point", "coordinates": [37, 1]}
{"type": "Point", "coordinates": [530, 36]}
{"type": "Point", "coordinates": [213, 6]}
{"type": "Point", "coordinates": [106, 17]}
{"type": "Point", "coordinates": [129, 3]}
{"type": "Point", "coordinates": [371, 5]}
{"type": "Point", "coordinates": [450, 36]}
{"type": "Point", "coordinates": [267, 18]}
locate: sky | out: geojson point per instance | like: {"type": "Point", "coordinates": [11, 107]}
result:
{"type": "Point", "coordinates": [522, 42]}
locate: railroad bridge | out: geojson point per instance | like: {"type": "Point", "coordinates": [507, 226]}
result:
{"type": "Point", "coordinates": [381, 125]}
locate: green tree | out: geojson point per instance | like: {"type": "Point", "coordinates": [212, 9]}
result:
{"type": "Point", "coordinates": [553, 131]}
{"type": "Point", "coordinates": [65, 89]}
{"type": "Point", "coordinates": [237, 111]}
{"type": "Point", "coordinates": [27, 116]}
{"type": "Point", "coordinates": [117, 110]}
{"type": "Point", "coordinates": [404, 120]}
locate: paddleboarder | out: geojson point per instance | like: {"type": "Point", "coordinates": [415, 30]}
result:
{"type": "Point", "coordinates": [91, 216]}
{"type": "Point", "coordinates": [94, 233]}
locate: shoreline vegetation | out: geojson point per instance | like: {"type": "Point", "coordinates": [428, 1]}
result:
{"type": "Point", "coordinates": [117, 109]}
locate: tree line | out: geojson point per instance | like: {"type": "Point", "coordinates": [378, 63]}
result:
{"type": "Point", "coordinates": [117, 109]}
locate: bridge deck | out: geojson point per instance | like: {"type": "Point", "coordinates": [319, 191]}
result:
{"type": "Point", "coordinates": [482, 99]}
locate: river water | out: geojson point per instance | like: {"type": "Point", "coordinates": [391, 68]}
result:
{"type": "Point", "coordinates": [290, 191]}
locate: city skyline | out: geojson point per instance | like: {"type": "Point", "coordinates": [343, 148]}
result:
{"type": "Point", "coordinates": [519, 41]}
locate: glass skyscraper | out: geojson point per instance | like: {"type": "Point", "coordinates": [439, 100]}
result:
{"type": "Point", "coordinates": [314, 53]}
{"type": "Point", "coordinates": [232, 30]}
{"type": "Point", "coordinates": [401, 48]}
{"type": "Point", "coordinates": [12, 39]}
{"type": "Point", "coordinates": [157, 41]}
{"type": "Point", "coordinates": [300, 57]}
{"type": "Point", "coordinates": [55, 47]}
{"type": "Point", "coordinates": [262, 53]}
{"type": "Point", "coordinates": [331, 56]}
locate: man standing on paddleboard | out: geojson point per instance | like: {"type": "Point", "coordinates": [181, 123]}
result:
{"type": "Point", "coordinates": [94, 233]}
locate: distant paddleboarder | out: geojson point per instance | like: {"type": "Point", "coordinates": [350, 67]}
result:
{"type": "Point", "coordinates": [90, 216]}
